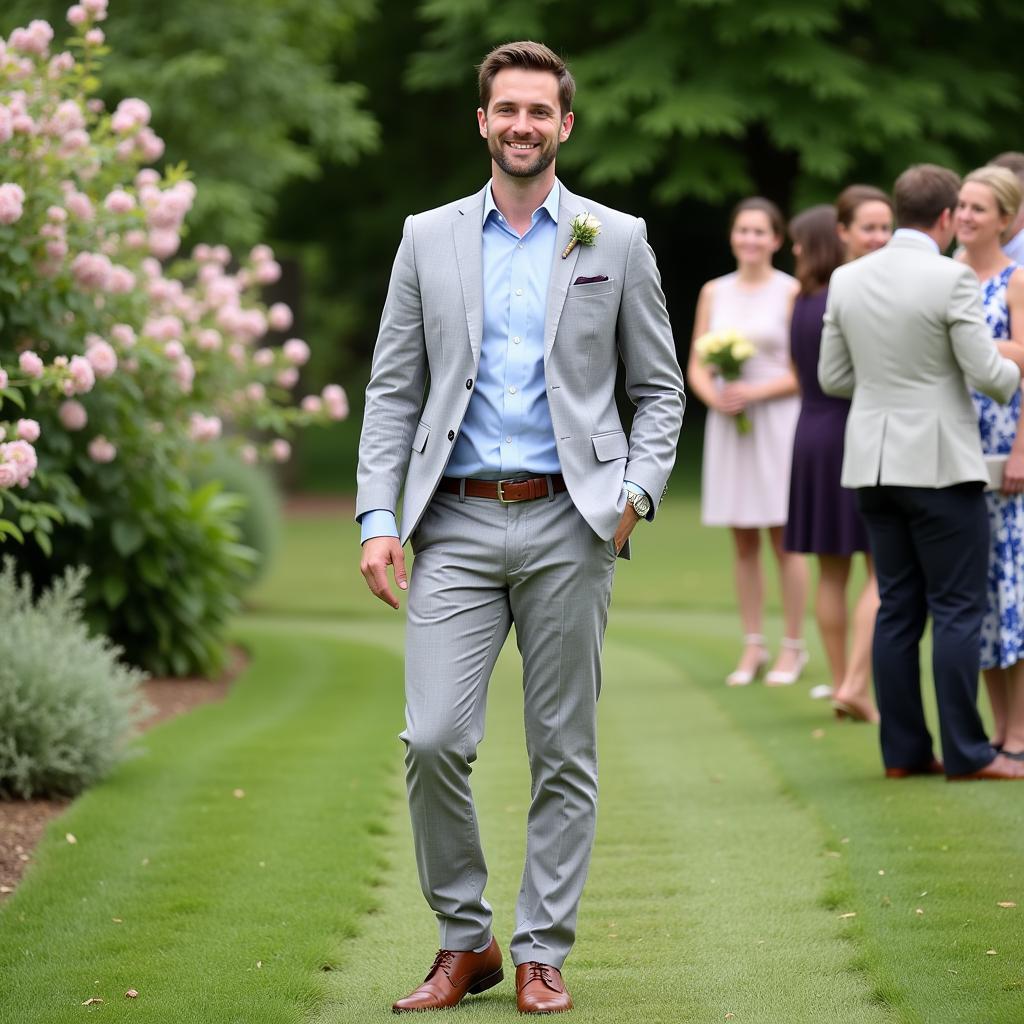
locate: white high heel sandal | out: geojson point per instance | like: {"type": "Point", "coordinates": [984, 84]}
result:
{"type": "Point", "coordinates": [741, 677]}
{"type": "Point", "coordinates": [778, 678]}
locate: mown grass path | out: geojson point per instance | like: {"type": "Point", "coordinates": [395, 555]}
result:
{"type": "Point", "coordinates": [750, 859]}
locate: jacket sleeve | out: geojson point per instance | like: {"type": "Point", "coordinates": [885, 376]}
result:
{"type": "Point", "coordinates": [654, 381]}
{"type": "Point", "coordinates": [394, 395]}
{"type": "Point", "coordinates": [973, 347]}
{"type": "Point", "coordinates": [835, 367]}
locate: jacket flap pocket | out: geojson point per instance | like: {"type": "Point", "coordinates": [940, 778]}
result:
{"type": "Point", "coordinates": [612, 445]}
{"type": "Point", "coordinates": [419, 441]}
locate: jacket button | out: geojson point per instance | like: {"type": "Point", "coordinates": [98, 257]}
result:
{"type": "Point", "coordinates": [451, 435]}
{"type": "Point", "coordinates": [469, 384]}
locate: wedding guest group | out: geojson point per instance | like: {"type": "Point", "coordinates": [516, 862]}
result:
{"type": "Point", "coordinates": [745, 472]}
{"type": "Point", "coordinates": [521, 490]}
{"type": "Point", "coordinates": [902, 472]}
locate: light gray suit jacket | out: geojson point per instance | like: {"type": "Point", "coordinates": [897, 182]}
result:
{"type": "Point", "coordinates": [428, 350]}
{"type": "Point", "coordinates": [905, 335]}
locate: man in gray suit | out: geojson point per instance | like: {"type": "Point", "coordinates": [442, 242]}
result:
{"type": "Point", "coordinates": [905, 335]}
{"type": "Point", "coordinates": [492, 399]}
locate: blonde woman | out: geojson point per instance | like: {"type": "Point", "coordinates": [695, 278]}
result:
{"type": "Point", "coordinates": [745, 483]}
{"type": "Point", "coordinates": [989, 200]}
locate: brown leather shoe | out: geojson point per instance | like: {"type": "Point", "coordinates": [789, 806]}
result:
{"type": "Point", "coordinates": [540, 989]}
{"type": "Point", "coordinates": [1001, 768]}
{"type": "Point", "coordinates": [933, 767]}
{"type": "Point", "coordinates": [453, 975]}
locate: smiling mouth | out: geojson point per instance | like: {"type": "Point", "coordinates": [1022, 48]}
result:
{"type": "Point", "coordinates": [522, 146]}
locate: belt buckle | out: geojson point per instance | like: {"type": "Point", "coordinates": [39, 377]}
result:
{"type": "Point", "coordinates": [501, 493]}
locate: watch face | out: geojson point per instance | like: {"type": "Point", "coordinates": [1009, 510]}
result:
{"type": "Point", "coordinates": [641, 505]}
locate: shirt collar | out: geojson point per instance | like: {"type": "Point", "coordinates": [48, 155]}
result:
{"type": "Point", "coordinates": [914, 233]}
{"type": "Point", "coordinates": [550, 204]}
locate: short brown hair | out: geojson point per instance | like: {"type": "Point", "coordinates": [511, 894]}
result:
{"type": "Point", "coordinates": [814, 230]}
{"type": "Point", "coordinates": [531, 57]}
{"type": "Point", "coordinates": [922, 192]}
{"type": "Point", "coordinates": [767, 207]}
{"type": "Point", "coordinates": [1011, 161]}
{"type": "Point", "coordinates": [853, 197]}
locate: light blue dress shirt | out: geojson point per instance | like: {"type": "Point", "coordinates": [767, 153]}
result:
{"type": "Point", "coordinates": [507, 430]}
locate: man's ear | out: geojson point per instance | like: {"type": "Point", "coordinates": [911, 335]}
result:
{"type": "Point", "coordinates": [567, 123]}
{"type": "Point", "coordinates": [481, 120]}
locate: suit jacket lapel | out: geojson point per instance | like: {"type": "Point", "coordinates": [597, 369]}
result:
{"type": "Point", "coordinates": [468, 232]}
{"type": "Point", "coordinates": [561, 270]}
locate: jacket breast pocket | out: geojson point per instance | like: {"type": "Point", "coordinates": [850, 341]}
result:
{"type": "Point", "coordinates": [610, 445]}
{"type": "Point", "coordinates": [592, 290]}
{"type": "Point", "coordinates": [419, 441]}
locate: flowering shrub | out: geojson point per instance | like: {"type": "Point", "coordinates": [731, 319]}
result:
{"type": "Point", "coordinates": [116, 365]}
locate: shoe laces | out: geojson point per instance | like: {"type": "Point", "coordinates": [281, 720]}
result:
{"type": "Point", "coordinates": [442, 962]}
{"type": "Point", "coordinates": [539, 972]}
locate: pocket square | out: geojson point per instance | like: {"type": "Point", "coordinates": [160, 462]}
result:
{"type": "Point", "coordinates": [590, 280]}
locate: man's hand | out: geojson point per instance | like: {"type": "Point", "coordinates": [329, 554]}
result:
{"type": "Point", "coordinates": [378, 554]}
{"type": "Point", "coordinates": [625, 528]}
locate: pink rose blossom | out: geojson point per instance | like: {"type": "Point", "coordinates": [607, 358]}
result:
{"type": "Point", "coordinates": [268, 272]}
{"type": "Point", "coordinates": [35, 39]}
{"type": "Point", "coordinates": [249, 455]}
{"type": "Point", "coordinates": [147, 177]}
{"type": "Point", "coordinates": [237, 354]}
{"type": "Point", "coordinates": [279, 316]}
{"type": "Point", "coordinates": [296, 351]}
{"type": "Point", "coordinates": [95, 37]}
{"type": "Point", "coordinates": [101, 450]}
{"type": "Point", "coordinates": [209, 340]}
{"type": "Point", "coordinates": [102, 357]}
{"type": "Point", "coordinates": [23, 457]}
{"type": "Point", "coordinates": [288, 377]}
{"type": "Point", "coordinates": [73, 142]}
{"type": "Point", "coordinates": [72, 415]}
{"type": "Point", "coordinates": [121, 282]}
{"type": "Point", "coordinates": [130, 115]}
{"type": "Point", "coordinates": [95, 105]}
{"type": "Point", "coordinates": [164, 244]}
{"type": "Point", "coordinates": [97, 8]}
{"type": "Point", "coordinates": [61, 64]}
{"type": "Point", "coordinates": [280, 449]}
{"type": "Point", "coordinates": [124, 335]}
{"type": "Point", "coordinates": [27, 430]}
{"type": "Point", "coordinates": [261, 253]}
{"type": "Point", "coordinates": [184, 374]}
{"type": "Point", "coordinates": [312, 403]}
{"type": "Point", "coordinates": [263, 357]}
{"type": "Point", "coordinates": [151, 144]}
{"type": "Point", "coordinates": [336, 401]}
{"type": "Point", "coordinates": [255, 392]}
{"type": "Point", "coordinates": [83, 377]}
{"type": "Point", "coordinates": [135, 239]}
{"type": "Point", "coordinates": [68, 117]}
{"type": "Point", "coordinates": [79, 205]}
{"type": "Point", "coordinates": [3, 379]}
{"type": "Point", "coordinates": [77, 15]}
{"type": "Point", "coordinates": [6, 125]}
{"type": "Point", "coordinates": [57, 249]}
{"type": "Point", "coordinates": [174, 350]}
{"type": "Point", "coordinates": [92, 270]}
{"type": "Point", "coordinates": [31, 365]}
{"type": "Point", "coordinates": [119, 201]}
{"type": "Point", "coordinates": [23, 124]}
{"type": "Point", "coordinates": [56, 214]}
{"type": "Point", "coordinates": [12, 198]}
{"type": "Point", "coordinates": [8, 475]}
{"type": "Point", "coordinates": [163, 328]}
{"type": "Point", "coordinates": [204, 428]}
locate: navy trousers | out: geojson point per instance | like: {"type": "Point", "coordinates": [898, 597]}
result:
{"type": "Point", "coordinates": [930, 547]}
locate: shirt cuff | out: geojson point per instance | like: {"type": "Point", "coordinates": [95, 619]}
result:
{"type": "Point", "coordinates": [378, 522]}
{"type": "Point", "coordinates": [632, 488]}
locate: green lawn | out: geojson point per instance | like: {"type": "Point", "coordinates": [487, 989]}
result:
{"type": "Point", "coordinates": [750, 858]}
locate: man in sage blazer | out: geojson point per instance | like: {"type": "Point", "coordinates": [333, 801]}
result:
{"type": "Point", "coordinates": [492, 404]}
{"type": "Point", "coordinates": [906, 337]}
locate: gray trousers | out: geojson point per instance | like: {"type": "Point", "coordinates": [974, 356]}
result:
{"type": "Point", "coordinates": [480, 566]}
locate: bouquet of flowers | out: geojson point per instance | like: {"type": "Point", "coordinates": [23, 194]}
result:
{"type": "Point", "coordinates": [726, 352]}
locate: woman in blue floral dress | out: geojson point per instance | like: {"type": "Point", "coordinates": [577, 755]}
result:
{"type": "Point", "coordinates": [988, 204]}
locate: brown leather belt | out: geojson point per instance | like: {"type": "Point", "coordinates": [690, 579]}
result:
{"type": "Point", "coordinates": [505, 491]}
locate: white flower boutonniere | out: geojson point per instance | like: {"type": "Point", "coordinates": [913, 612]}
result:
{"type": "Point", "coordinates": [585, 228]}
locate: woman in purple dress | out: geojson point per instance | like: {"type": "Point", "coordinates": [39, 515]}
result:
{"type": "Point", "coordinates": [823, 517]}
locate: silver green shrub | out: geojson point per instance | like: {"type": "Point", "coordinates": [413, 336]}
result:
{"type": "Point", "coordinates": [67, 704]}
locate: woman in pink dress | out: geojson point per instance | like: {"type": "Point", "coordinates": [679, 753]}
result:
{"type": "Point", "coordinates": [745, 483]}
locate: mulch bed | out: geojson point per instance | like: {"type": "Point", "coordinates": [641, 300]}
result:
{"type": "Point", "coordinates": [22, 822]}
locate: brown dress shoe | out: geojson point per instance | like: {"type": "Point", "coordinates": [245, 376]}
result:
{"type": "Point", "coordinates": [540, 989]}
{"type": "Point", "coordinates": [453, 975]}
{"type": "Point", "coordinates": [1002, 767]}
{"type": "Point", "coordinates": [933, 767]}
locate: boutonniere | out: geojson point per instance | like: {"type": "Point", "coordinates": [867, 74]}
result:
{"type": "Point", "coordinates": [585, 228]}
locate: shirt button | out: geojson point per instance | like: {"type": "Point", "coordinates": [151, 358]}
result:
{"type": "Point", "coordinates": [451, 435]}
{"type": "Point", "coordinates": [469, 384]}
{"type": "Point", "coordinates": [508, 440]}
{"type": "Point", "coordinates": [516, 340]}
{"type": "Point", "coordinates": [519, 291]}
{"type": "Point", "coordinates": [519, 246]}
{"type": "Point", "coordinates": [512, 390]}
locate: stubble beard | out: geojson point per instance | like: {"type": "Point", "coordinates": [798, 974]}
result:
{"type": "Point", "coordinates": [545, 158]}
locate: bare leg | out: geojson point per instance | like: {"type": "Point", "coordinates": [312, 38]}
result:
{"type": "Point", "coordinates": [1014, 739]}
{"type": "Point", "coordinates": [749, 595]}
{"type": "Point", "coordinates": [793, 583]}
{"type": "Point", "coordinates": [830, 610]}
{"type": "Point", "coordinates": [855, 689]}
{"type": "Point", "coordinates": [997, 682]}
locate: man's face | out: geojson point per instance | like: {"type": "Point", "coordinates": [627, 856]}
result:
{"type": "Point", "coordinates": [523, 124]}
